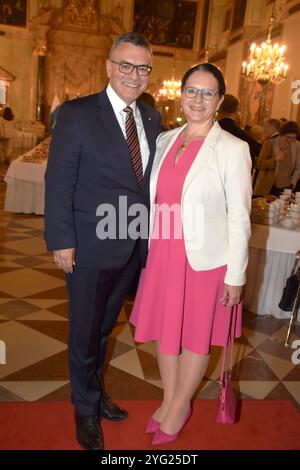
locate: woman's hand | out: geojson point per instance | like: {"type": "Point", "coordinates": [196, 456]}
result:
{"type": "Point", "coordinates": [231, 295]}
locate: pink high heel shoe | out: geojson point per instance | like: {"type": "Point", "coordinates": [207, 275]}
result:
{"type": "Point", "coordinates": [161, 437]}
{"type": "Point", "coordinates": [152, 426]}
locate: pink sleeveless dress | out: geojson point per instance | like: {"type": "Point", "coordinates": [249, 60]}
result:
{"type": "Point", "coordinates": [175, 305]}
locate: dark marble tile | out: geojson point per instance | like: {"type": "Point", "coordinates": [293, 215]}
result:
{"type": "Point", "coordinates": [243, 341]}
{"type": "Point", "coordinates": [149, 365]}
{"type": "Point", "coordinates": [55, 329]}
{"type": "Point", "coordinates": [61, 394]}
{"type": "Point", "coordinates": [279, 392]}
{"type": "Point", "coordinates": [4, 295]}
{"type": "Point", "coordinates": [35, 233]}
{"type": "Point", "coordinates": [11, 238]}
{"type": "Point", "coordinates": [51, 272]}
{"type": "Point", "coordinates": [28, 261]}
{"type": "Point", "coordinates": [60, 309]}
{"type": "Point", "coordinates": [116, 348]}
{"type": "Point", "coordinates": [122, 386]}
{"type": "Point", "coordinates": [17, 308]}
{"type": "Point", "coordinates": [293, 375]}
{"type": "Point", "coordinates": [211, 392]}
{"type": "Point", "coordinates": [52, 368]}
{"type": "Point", "coordinates": [127, 307]}
{"type": "Point", "coordinates": [4, 250]}
{"type": "Point", "coordinates": [274, 347]}
{"type": "Point", "coordinates": [8, 270]}
{"type": "Point", "coordinates": [57, 293]}
{"type": "Point", "coordinates": [6, 395]}
{"type": "Point", "coordinates": [268, 325]}
{"type": "Point", "coordinates": [263, 324]}
{"type": "Point", "coordinates": [253, 367]}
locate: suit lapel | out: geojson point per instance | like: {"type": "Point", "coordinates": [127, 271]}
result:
{"type": "Point", "coordinates": [205, 153]}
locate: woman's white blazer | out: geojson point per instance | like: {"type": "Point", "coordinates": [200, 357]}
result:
{"type": "Point", "coordinates": [215, 202]}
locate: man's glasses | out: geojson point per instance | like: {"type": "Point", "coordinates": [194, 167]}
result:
{"type": "Point", "coordinates": [206, 93]}
{"type": "Point", "coordinates": [126, 67]}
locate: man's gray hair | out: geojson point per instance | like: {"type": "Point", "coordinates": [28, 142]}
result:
{"type": "Point", "coordinates": [133, 38]}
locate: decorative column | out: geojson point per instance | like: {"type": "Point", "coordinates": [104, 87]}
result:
{"type": "Point", "coordinates": [40, 83]}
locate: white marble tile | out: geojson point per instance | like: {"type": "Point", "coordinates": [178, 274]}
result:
{"type": "Point", "coordinates": [25, 282]}
{"type": "Point", "coordinates": [25, 346]}
{"type": "Point", "coordinates": [33, 390]}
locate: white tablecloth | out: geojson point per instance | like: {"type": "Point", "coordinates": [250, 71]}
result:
{"type": "Point", "coordinates": [271, 258]}
{"type": "Point", "coordinates": [25, 187]}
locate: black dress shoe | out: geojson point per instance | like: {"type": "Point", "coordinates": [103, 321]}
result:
{"type": "Point", "coordinates": [110, 410]}
{"type": "Point", "coordinates": [88, 432]}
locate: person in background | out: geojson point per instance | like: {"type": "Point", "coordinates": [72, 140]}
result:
{"type": "Point", "coordinates": [7, 134]}
{"type": "Point", "coordinates": [279, 162]}
{"type": "Point", "coordinates": [257, 133]}
{"type": "Point", "coordinates": [271, 128]}
{"type": "Point", "coordinates": [200, 200]}
{"type": "Point", "coordinates": [227, 120]}
{"type": "Point", "coordinates": [148, 99]}
{"type": "Point", "coordinates": [102, 149]}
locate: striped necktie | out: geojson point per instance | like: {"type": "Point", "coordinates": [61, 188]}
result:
{"type": "Point", "coordinates": [133, 144]}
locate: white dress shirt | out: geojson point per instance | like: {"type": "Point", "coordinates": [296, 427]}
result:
{"type": "Point", "coordinates": [118, 106]}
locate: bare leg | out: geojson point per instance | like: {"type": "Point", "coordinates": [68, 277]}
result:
{"type": "Point", "coordinates": [191, 370]}
{"type": "Point", "coordinates": [168, 367]}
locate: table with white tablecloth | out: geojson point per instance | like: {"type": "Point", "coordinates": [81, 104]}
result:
{"type": "Point", "coordinates": [25, 187]}
{"type": "Point", "coordinates": [271, 259]}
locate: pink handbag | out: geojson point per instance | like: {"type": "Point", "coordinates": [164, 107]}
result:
{"type": "Point", "coordinates": [226, 411]}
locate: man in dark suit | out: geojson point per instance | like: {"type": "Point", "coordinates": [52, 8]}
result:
{"type": "Point", "coordinates": [227, 120]}
{"type": "Point", "coordinates": [98, 169]}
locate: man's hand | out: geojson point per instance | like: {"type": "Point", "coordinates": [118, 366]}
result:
{"type": "Point", "coordinates": [231, 295]}
{"type": "Point", "coordinates": [64, 259]}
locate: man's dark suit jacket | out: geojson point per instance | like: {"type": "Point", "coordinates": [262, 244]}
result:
{"type": "Point", "coordinates": [230, 125]}
{"type": "Point", "coordinates": [89, 164]}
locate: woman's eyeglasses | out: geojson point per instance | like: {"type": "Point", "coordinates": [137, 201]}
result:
{"type": "Point", "coordinates": [126, 67]}
{"type": "Point", "coordinates": [206, 93]}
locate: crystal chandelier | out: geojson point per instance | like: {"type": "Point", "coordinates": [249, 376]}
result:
{"type": "Point", "coordinates": [171, 89]}
{"type": "Point", "coordinates": [266, 62]}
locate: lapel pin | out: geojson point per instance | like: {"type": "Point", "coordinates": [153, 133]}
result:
{"type": "Point", "coordinates": [149, 118]}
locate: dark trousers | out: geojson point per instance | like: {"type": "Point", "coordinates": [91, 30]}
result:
{"type": "Point", "coordinates": [95, 300]}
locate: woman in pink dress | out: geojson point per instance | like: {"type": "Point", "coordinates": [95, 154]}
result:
{"type": "Point", "coordinates": [200, 198]}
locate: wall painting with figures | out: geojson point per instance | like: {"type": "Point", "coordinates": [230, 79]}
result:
{"type": "Point", "coordinates": [166, 22]}
{"type": "Point", "coordinates": [13, 13]}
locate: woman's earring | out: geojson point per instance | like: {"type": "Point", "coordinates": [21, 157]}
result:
{"type": "Point", "coordinates": [216, 116]}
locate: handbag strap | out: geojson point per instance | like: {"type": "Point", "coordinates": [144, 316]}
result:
{"type": "Point", "coordinates": [229, 343]}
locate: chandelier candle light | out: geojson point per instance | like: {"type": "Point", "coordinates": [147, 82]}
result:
{"type": "Point", "coordinates": [266, 62]}
{"type": "Point", "coordinates": [171, 89]}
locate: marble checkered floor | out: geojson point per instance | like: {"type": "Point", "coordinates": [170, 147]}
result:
{"type": "Point", "coordinates": [34, 327]}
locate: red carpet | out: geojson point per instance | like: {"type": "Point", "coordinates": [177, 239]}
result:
{"type": "Point", "coordinates": [49, 425]}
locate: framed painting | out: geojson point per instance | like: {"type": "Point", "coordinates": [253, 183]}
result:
{"type": "Point", "coordinates": [166, 22]}
{"type": "Point", "coordinates": [14, 13]}
{"type": "Point", "coordinates": [239, 14]}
